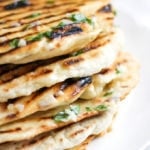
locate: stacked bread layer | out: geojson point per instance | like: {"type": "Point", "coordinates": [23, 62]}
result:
{"type": "Point", "coordinates": [62, 73]}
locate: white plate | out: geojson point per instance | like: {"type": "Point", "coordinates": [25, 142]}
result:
{"type": "Point", "coordinates": [131, 129]}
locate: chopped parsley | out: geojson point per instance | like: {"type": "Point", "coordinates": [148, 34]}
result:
{"type": "Point", "coordinates": [61, 116]}
{"type": "Point", "coordinates": [38, 37]}
{"type": "Point", "coordinates": [47, 34]}
{"type": "Point", "coordinates": [14, 43]}
{"type": "Point", "coordinates": [115, 12]}
{"type": "Point", "coordinates": [89, 21]}
{"type": "Point", "coordinates": [60, 25]}
{"type": "Point", "coordinates": [118, 71]}
{"type": "Point", "coordinates": [88, 109]}
{"type": "Point", "coordinates": [97, 108]}
{"type": "Point", "coordinates": [108, 94]}
{"type": "Point", "coordinates": [75, 109]}
{"type": "Point", "coordinates": [78, 18]}
{"type": "Point", "coordinates": [77, 53]}
{"type": "Point", "coordinates": [101, 108]}
{"type": "Point", "coordinates": [35, 38]}
{"type": "Point", "coordinates": [67, 114]}
{"type": "Point", "coordinates": [34, 15]}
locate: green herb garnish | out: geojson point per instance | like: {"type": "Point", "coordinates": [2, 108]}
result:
{"type": "Point", "coordinates": [118, 71]}
{"type": "Point", "coordinates": [67, 114]}
{"type": "Point", "coordinates": [97, 108]}
{"type": "Point", "coordinates": [108, 94]}
{"type": "Point", "coordinates": [101, 108]}
{"type": "Point", "coordinates": [77, 53]}
{"type": "Point", "coordinates": [75, 109]}
{"type": "Point", "coordinates": [60, 25]}
{"type": "Point", "coordinates": [35, 38]}
{"type": "Point", "coordinates": [88, 109]}
{"type": "Point", "coordinates": [34, 15]}
{"type": "Point", "coordinates": [14, 43]}
{"type": "Point", "coordinates": [115, 12]}
{"type": "Point", "coordinates": [89, 21]}
{"type": "Point", "coordinates": [78, 18]}
{"type": "Point", "coordinates": [38, 37]}
{"type": "Point", "coordinates": [47, 34]}
{"type": "Point", "coordinates": [61, 116]}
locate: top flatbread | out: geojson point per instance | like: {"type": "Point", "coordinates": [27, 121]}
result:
{"type": "Point", "coordinates": [63, 40]}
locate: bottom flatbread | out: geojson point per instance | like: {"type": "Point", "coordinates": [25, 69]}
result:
{"type": "Point", "coordinates": [67, 137]}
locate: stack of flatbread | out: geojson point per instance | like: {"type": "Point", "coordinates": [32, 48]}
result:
{"type": "Point", "coordinates": [62, 73]}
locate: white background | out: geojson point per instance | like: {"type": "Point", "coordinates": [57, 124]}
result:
{"type": "Point", "coordinates": [131, 129]}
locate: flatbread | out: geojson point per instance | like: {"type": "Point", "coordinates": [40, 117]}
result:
{"type": "Point", "coordinates": [45, 121]}
{"type": "Point", "coordinates": [71, 37]}
{"type": "Point", "coordinates": [68, 137]}
{"type": "Point", "coordinates": [58, 95]}
{"type": "Point", "coordinates": [78, 66]}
